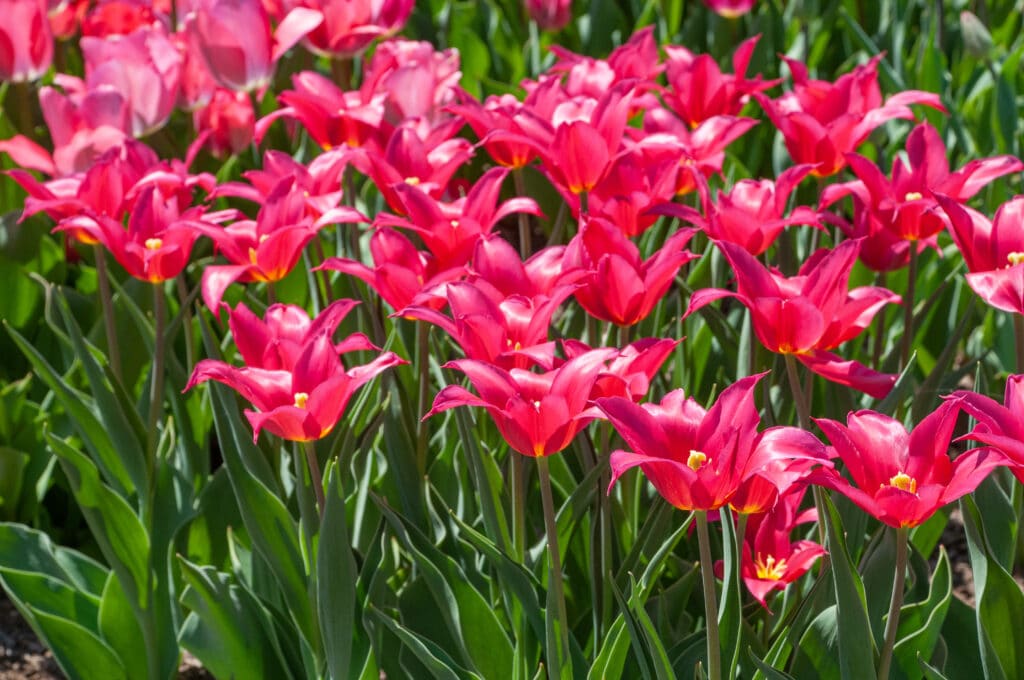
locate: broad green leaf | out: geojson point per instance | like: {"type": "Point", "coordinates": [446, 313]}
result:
{"type": "Point", "coordinates": [120, 629]}
{"type": "Point", "coordinates": [920, 623]}
{"type": "Point", "coordinates": [435, 659]}
{"type": "Point", "coordinates": [25, 549]}
{"type": "Point", "coordinates": [766, 670]}
{"type": "Point", "coordinates": [227, 629]}
{"type": "Point", "coordinates": [336, 575]}
{"type": "Point", "coordinates": [48, 595]}
{"type": "Point", "coordinates": [80, 653]}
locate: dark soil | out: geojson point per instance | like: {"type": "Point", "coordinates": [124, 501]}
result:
{"type": "Point", "coordinates": [23, 657]}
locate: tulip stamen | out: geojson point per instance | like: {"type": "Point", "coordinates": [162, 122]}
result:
{"type": "Point", "coordinates": [903, 481]}
{"type": "Point", "coordinates": [412, 181]}
{"type": "Point", "coordinates": [1015, 258]}
{"type": "Point", "coordinates": [252, 256]}
{"type": "Point", "coordinates": [154, 244]}
{"type": "Point", "coordinates": [768, 568]}
{"type": "Point", "coordinates": [696, 460]}
{"type": "Point", "coordinates": [300, 399]}
{"type": "Point", "coordinates": [913, 196]}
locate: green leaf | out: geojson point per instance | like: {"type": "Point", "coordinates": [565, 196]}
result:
{"type": "Point", "coordinates": [48, 595]}
{"type": "Point", "coordinates": [468, 615]}
{"type": "Point", "coordinates": [440, 665]}
{"type": "Point", "coordinates": [856, 645]}
{"type": "Point", "coordinates": [336, 575]}
{"type": "Point", "coordinates": [25, 549]}
{"type": "Point", "coordinates": [121, 536]}
{"type": "Point", "coordinates": [227, 629]}
{"type": "Point", "coordinates": [920, 624]}
{"type": "Point", "coordinates": [120, 629]}
{"type": "Point", "coordinates": [768, 672]}
{"type": "Point", "coordinates": [80, 653]}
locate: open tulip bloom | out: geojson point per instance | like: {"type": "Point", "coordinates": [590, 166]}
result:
{"type": "Point", "coordinates": [697, 459]}
{"type": "Point", "coordinates": [899, 478]}
{"type": "Point", "coordinates": [1000, 426]}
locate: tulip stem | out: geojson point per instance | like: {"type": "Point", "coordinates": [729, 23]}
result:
{"type": "Point", "coordinates": [803, 411]}
{"type": "Point", "coordinates": [908, 309]}
{"type": "Point", "coordinates": [902, 544]}
{"type": "Point", "coordinates": [422, 428]}
{"type": "Point", "coordinates": [186, 313]}
{"type": "Point", "coordinates": [1018, 328]}
{"type": "Point", "coordinates": [710, 601]}
{"type": "Point", "coordinates": [156, 379]}
{"type": "Point", "coordinates": [557, 649]}
{"type": "Point", "coordinates": [107, 303]}
{"type": "Point", "coordinates": [316, 474]}
{"type": "Point", "coordinates": [525, 239]}
{"type": "Point", "coordinates": [876, 351]}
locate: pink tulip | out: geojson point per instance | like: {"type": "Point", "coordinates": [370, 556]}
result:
{"type": "Point", "coordinates": [550, 15]}
{"type": "Point", "coordinates": [26, 44]}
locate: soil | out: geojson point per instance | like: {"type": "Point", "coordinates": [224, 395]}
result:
{"type": "Point", "coordinates": [23, 657]}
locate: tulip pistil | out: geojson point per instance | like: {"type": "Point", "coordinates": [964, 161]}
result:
{"type": "Point", "coordinates": [901, 480]}
{"type": "Point", "coordinates": [696, 460]}
{"type": "Point", "coordinates": [769, 569]}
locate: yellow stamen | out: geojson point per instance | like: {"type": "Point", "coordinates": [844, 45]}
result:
{"type": "Point", "coordinates": [455, 224]}
{"type": "Point", "coordinates": [696, 460]}
{"type": "Point", "coordinates": [300, 399]}
{"type": "Point", "coordinates": [913, 196]}
{"type": "Point", "coordinates": [412, 181]}
{"type": "Point", "coordinates": [154, 244]}
{"type": "Point", "coordinates": [536, 405]}
{"type": "Point", "coordinates": [1015, 257]}
{"type": "Point", "coordinates": [768, 568]}
{"type": "Point", "coordinates": [901, 480]}
{"type": "Point", "coordinates": [252, 256]}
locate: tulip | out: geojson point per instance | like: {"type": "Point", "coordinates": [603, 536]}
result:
{"type": "Point", "coordinates": [26, 44]}
{"type": "Point", "coordinates": [993, 251]}
{"type": "Point", "coordinates": [629, 374]}
{"type": "Point", "coordinates": [303, 401]}
{"type": "Point", "coordinates": [538, 414]}
{"type": "Point", "coordinates": [730, 9]}
{"type": "Point", "coordinates": [349, 26]}
{"type": "Point", "coordinates": [620, 287]}
{"type": "Point", "coordinates": [809, 314]}
{"type": "Point", "coordinates": [229, 122]}
{"type": "Point", "coordinates": [550, 15]}
{"type": "Point", "coordinates": [418, 83]}
{"type": "Point", "coordinates": [696, 458]}
{"type": "Point", "coordinates": [235, 39]}
{"type": "Point", "coordinates": [1000, 426]}
{"type": "Point", "coordinates": [116, 17]}
{"type": "Point", "coordinates": [901, 479]}
{"type": "Point", "coordinates": [821, 121]}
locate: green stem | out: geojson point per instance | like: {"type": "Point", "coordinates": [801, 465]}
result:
{"type": "Point", "coordinates": [107, 303]}
{"type": "Point", "coordinates": [1018, 328]}
{"type": "Point", "coordinates": [525, 238]}
{"type": "Point", "coordinates": [876, 351]}
{"type": "Point", "coordinates": [156, 380]}
{"type": "Point", "coordinates": [341, 69]}
{"type": "Point", "coordinates": [316, 474]}
{"type": "Point", "coordinates": [803, 410]}
{"type": "Point", "coordinates": [908, 309]}
{"type": "Point", "coordinates": [517, 480]}
{"type": "Point", "coordinates": [186, 312]}
{"type": "Point", "coordinates": [902, 536]}
{"type": "Point", "coordinates": [558, 651]}
{"type": "Point", "coordinates": [710, 600]}
{"type": "Point", "coordinates": [423, 362]}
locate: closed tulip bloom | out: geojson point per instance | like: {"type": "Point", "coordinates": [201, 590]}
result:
{"type": "Point", "coordinates": [550, 15]}
{"type": "Point", "coordinates": [26, 44]}
{"type": "Point", "coordinates": [696, 458]}
{"type": "Point", "coordinates": [902, 478]}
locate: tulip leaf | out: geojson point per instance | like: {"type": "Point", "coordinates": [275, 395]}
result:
{"type": "Point", "coordinates": [336, 575]}
{"type": "Point", "coordinates": [29, 550]}
{"type": "Point", "coordinates": [611, 658]}
{"type": "Point", "coordinates": [120, 629]}
{"type": "Point", "coordinates": [274, 532]}
{"type": "Point", "coordinates": [468, 615]}
{"type": "Point", "coordinates": [856, 645]}
{"type": "Point", "coordinates": [433, 658]}
{"type": "Point", "coordinates": [1000, 603]}
{"type": "Point", "coordinates": [487, 492]}
{"type": "Point", "coordinates": [766, 670]}
{"type": "Point", "coordinates": [227, 629]}
{"type": "Point", "coordinates": [817, 651]}
{"type": "Point", "coordinates": [920, 624]}
{"type": "Point", "coordinates": [120, 534]}
{"type": "Point", "coordinates": [80, 653]}
{"type": "Point", "coordinates": [998, 518]}
{"type": "Point", "coordinates": [730, 618]}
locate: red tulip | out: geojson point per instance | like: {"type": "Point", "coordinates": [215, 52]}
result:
{"type": "Point", "coordinates": [620, 287]}
{"type": "Point", "coordinates": [770, 560]}
{"type": "Point", "coordinates": [550, 15]}
{"type": "Point", "coordinates": [228, 121]}
{"type": "Point", "coordinates": [538, 414]}
{"type": "Point", "coordinates": [304, 401]}
{"type": "Point", "coordinates": [1000, 426]}
{"type": "Point", "coordinates": [821, 121]}
{"type": "Point", "coordinates": [696, 458]}
{"type": "Point", "coordinates": [730, 9]}
{"type": "Point", "coordinates": [809, 314]}
{"type": "Point", "coordinates": [630, 373]}
{"type": "Point", "coordinates": [401, 273]}
{"type": "Point", "coordinates": [26, 44]}
{"type": "Point", "coordinates": [698, 90]}
{"type": "Point", "coordinates": [993, 251]}
{"type": "Point", "coordinates": [902, 479]}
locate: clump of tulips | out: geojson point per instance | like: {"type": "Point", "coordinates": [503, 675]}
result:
{"type": "Point", "coordinates": [296, 245]}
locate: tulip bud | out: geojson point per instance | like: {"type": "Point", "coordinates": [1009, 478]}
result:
{"type": "Point", "coordinates": [26, 44]}
{"type": "Point", "coordinates": [550, 15]}
{"type": "Point", "coordinates": [977, 39]}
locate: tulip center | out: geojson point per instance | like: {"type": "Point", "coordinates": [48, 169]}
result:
{"type": "Point", "coordinates": [1015, 258]}
{"type": "Point", "coordinates": [300, 399]}
{"type": "Point", "coordinates": [252, 256]}
{"type": "Point", "coordinates": [768, 568]}
{"type": "Point", "coordinates": [901, 480]}
{"type": "Point", "coordinates": [536, 406]}
{"type": "Point", "coordinates": [154, 244]}
{"type": "Point", "coordinates": [455, 224]}
{"type": "Point", "coordinates": [515, 347]}
{"type": "Point", "coordinates": [696, 460]}
{"type": "Point", "coordinates": [913, 196]}
{"type": "Point", "coordinates": [412, 181]}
